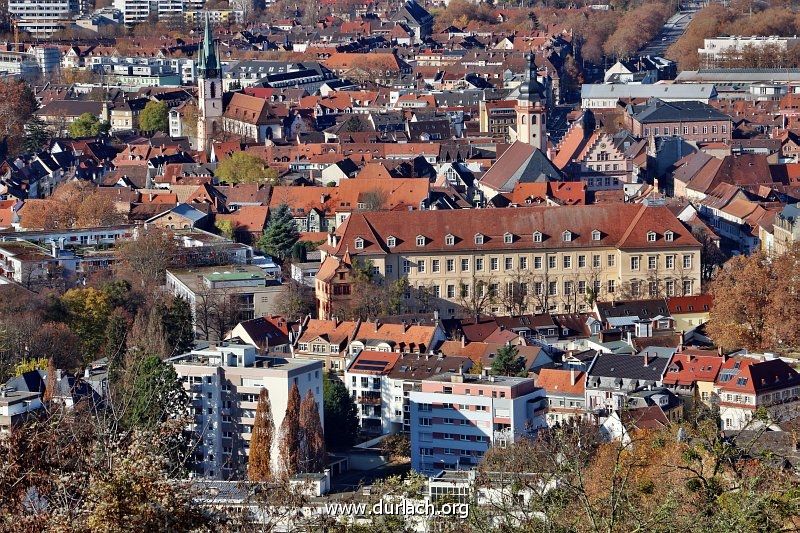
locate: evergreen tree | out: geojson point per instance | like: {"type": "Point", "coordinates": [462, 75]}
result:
{"type": "Point", "coordinates": [341, 419]}
{"type": "Point", "coordinates": [37, 136]}
{"type": "Point", "coordinates": [116, 343]}
{"type": "Point", "coordinates": [508, 362]}
{"type": "Point", "coordinates": [156, 394]}
{"type": "Point", "coordinates": [290, 435]}
{"type": "Point", "coordinates": [280, 235]}
{"type": "Point", "coordinates": [179, 326]}
{"type": "Point", "coordinates": [312, 443]}
{"type": "Point", "coordinates": [259, 467]}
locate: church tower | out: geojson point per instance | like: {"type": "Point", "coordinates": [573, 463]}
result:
{"type": "Point", "coordinates": [531, 113]}
{"type": "Point", "coordinates": [209, 90]}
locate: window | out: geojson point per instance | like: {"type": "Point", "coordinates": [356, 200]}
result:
{"type": "Point", "coordinates": [596, 261]}
{"type": "Point", "coordinates": [494, 263]}
{"type": "Point", "coordinates": [669, 236]}
{"type": "Point", "coordinates": [537, 262]}
{"type": "Point", "coordinates": [523, 263]}
{"type": "Point", "coordinates": [652, 262]}
{"type": "Point", "coordinates": [551, 261]}
{"type": "Point", "coordinates": [611, 260]}
{"type": "Point", "coordinates": [567, 260]}
{"type": "Point", "coordinates": [465, 265]}
{"type": "Point", "coordinates": [508, 238]}
{"type": "Point", "coordinates": [449, 240]}
{"type": "Point", "coordinates": [464, 290]}
{"type": "Point", "coordinates": [389, 269]}
{"type": "Point", "coordinates": [612, 285]}
{"type": "Point", "coordinates": [714, 129]}
{"type": "Point", "coordinates": [406, 266]}
{"type": "Point", "coordinates": [479, 263]}
{"type": "Point", "coordinates": [538, 288]}
{"type": "Point", "coordinates": [651, 236]}
{"type": "Point", "coordinates": [635, 288]}
{"type": "Point", "coordinates": [359, 243]}
{"type": "Point", "coordinates": [581, 287]}
{"type": "Point", "coordinates": [450, 265]}
{"type": "Point", "coordinates": [552, 288]}
{"type": "Point", "coordinates": [669, 262]}
{"type": "Point", "coordinates": [435, 265]}
{"type": "Point", "coordinates": [653, 288]}
{"type": "Point", "coordinates": [421, 266]}
{"type": "Point", "coordinates": [687, 287]}
{"type": "Point", "coordinates": [634, 263]}
{"type": "Point", "coordinates": [451, 291]}
{"type": "Point", "coordinates": [436, 291]}
{"type": "Point", "coordinates": [686, 130]}
{"type": "Point", "coordinates": [420, 240]}
{"type": "Point", "coordinates": [568, 288]}
{"type": "Point", "coordinates": [478, 238]}
{"type": "Point", "coordinates": [670, 287]}
{"type": "Point", "coordinates": [595, 235]}
{"type": "Point", "coordinates": [566, 236]}
{"type": "Point", "coordinates": [687, 261]}
{"type": "Point", "coordinates": [391, 242]}
{"type": "Point", "coordinates": [537, 236]}
{"type": "Point", "coordinates": [581, 261]}
{"type": "Point", "coordinates": [508, 263]}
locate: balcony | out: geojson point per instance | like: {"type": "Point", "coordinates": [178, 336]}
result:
{"type": "Point", "coordinates": [366, 399]}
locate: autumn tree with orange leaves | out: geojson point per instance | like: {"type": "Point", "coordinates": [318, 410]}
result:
{"type": "Point", "coordinates": [259, 463]}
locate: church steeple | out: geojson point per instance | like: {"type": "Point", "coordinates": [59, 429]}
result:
{"type": "Point", "coordinates": [530, 89]}
{"type": "Point", "coordinates": [208, 61]}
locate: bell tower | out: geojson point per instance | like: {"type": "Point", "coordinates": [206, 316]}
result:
{"type": "Point", "coordinates": [531, 112]}
{"type": "Point", "coordinates": [209, 89]}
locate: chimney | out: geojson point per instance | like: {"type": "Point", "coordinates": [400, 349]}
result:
{"type": "Point", "coordinates": [87, 372]}
{"type": "Point", "coordinates": [377, 325]}
{"type": "Point", "coordinates": [463, 340]}
{"type": "Point", "coordinates": [573, 376]}
{"type": "Point", "coordinates": [646, 358]}
{"type": "Point", "coordinates": [630, 339]}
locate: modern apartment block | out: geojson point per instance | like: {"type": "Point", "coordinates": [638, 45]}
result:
{"type": "Point", "coordinates": [381, 382]}
{"type": "Point", "coordinates": [224, 382]}
{"type": "Point", "coordinates": [456, 418]}
{"type": "Point", "coordinates": [43, 18]}
{"type": "Point", "coordinates": [718, 51]}
{"type": "Point", "coordinates": [552, 256]}
{"type": "Point", "coordinates": [136, 11]}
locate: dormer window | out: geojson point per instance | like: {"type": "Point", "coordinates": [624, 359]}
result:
{"type": "Point", "coordinates": [651, 236]}
{"type": "Point", "coordinates": [596, 235]}
{"type": "Point", "coordinates": [391, 242]}
{"type": "Point", "coordinates": [566, 236]}
{"type": "Point", "coordinates": [669, 236]}
{"type": "Point", "coordinates": [359, 243]}
{"type": "Point", "coordinates": [449, 239]}
{"type": "Point", "coordinates": [508, 238]}
{"type": "Point", "coordinates": [537, 236]}
{"type": "Point", "coordinates": [478, 238]}
{"type": "Point", "coordinates": [421, 240]}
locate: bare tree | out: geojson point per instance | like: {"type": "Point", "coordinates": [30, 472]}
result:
{"type": "Point", "coordinates": [476, 295]}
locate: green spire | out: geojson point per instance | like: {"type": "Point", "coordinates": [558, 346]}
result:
{"type": "Point", "coordinates": [208, 62]}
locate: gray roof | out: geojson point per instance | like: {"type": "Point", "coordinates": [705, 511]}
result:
{"type": "Point", "coordinates": [656, 111]}
{"type": "Point", "coordinates": [671, 91]}
{"type": "Point", "coordinates": [742, 75]}
{"type": "Point", "coordinates": [632, 367]}
{"type": "Point", "coordinates": [189, 212]}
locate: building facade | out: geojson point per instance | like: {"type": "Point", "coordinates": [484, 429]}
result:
{"type": "Point", "coordinates": [223, 383]}
{"type": "Point", "coordinates": [456, 418]}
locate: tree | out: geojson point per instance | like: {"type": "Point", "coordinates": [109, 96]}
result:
{"type": "Point", "coordinates": [154, 117]}
{"type": "Point", "coordinates": [178, 325]}
{"type": "Point", "coordinates": [290, 435]}
{"type": "Point", "coordinates": [88, 311]}
{"type": "Point", "coordinates": [297, 300]}
{"type": "Point", "coordinates": [341, 418]}
{"type": "Point", "coordinates": [116, 342]}
{"type": "Point", "coordinates": [37, 136]}
{"type": "Point", "coordinates": [281, 233]}
{"type": "Point", "coordinates": [508, 362]}
{"type": "Point", "coordinates": [226, 228]}
{"type": "Point", "coordinates": [156, 394]}
{"type": "Point", "coordinates": [88, 125]}
{"type": "Point", "coordinates": [711, 257]}
{"type": "Point", "coordinates": [17, 105]}
{"type": "Point", "coordinates": [51, 384]}
{"type": "Point", "coordinates": [312, 442]}
{"type": "Point", "coordinates": [374, 199]}
{"type": "Point", "coordinates": [259, 464]}
{"type": "Point", "coordinates": [242, 167]}
{"type": "Point", "coordinates": [144, 259]}
{"type": "Point", "coordinates": [476, 295]}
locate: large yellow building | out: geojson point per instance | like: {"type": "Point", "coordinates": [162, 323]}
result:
{"type": "Point", "coordinates": [518, 260]}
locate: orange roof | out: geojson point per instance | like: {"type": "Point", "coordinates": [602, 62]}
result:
{"type": "Point", "coordinates": [252, 218]}
{"type": "Point", "coordinates": [693, 365]}
{"type": "Point", "coordinates": [690, 304]}
{"type": "Point", "coordinates": [560, 381]}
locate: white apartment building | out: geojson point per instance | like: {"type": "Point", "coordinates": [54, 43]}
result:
{"type": "Point", "coordinates": [223, 382]}
{"type": "Point", "coordinates": [135, 11]}
{"type": "Point", "coordinates": [380, 383]}
{"type": "Point", "coordinates": [42, 18]}
{"type": "Point", "coordinates": [716, 50]}
{"type": "Point", "coordinates": [456, 418]}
